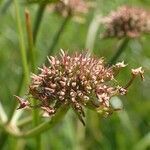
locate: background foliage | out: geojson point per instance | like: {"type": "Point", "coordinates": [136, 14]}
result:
{"type": "Point", "coordinates": [126, 129]}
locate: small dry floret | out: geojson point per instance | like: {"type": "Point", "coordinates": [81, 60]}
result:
{"type": "Point", "coordinates": [138, 71]}
{"type": "Point", "coordinates": [120, 65]}
{"type": "Point", "coordinates": [22, 102]}
{"type": "Point", "coordinates": [135, 73]}
{"type": "Point", "coordinates": [78, 81]}
{"type": "Point", "coordinates": [127, 21]}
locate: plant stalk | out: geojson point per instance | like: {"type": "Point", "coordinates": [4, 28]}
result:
{"type": "Point", "coordinates": [35, 112]}
{"type": "Point", "coordinates": [40, 128]}
{"type": "Point", "coordinates": [25, 76]}
{"type": "Point", "coordinates": [92, 33]}
{"type": "Point", "coordinates": [30, 39]}
{"type": "Point", "coordinates": [58, 34]}
{"type": "Point", "coordinates": [22, 44]}
{"type": "Point", "coordinates": [38, 20]}
{"type": "Point", "coordinates": [119, 51]}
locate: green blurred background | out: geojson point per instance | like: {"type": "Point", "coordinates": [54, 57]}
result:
{"type": "Point", "coordinates": [126, 129]}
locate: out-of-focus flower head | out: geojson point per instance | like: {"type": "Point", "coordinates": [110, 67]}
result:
{"type": "Point", "coordinates": [78, 81]}
{"type": "Point", "coordinates": [74, 8]}
{"type": "Point", "coordinates": [126, 21]}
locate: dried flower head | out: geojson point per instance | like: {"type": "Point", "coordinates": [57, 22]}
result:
{"type": "Point", "coordinates": [78, 81]}
{"type": "Point", "coordinates": [75, 8]}
{"type": "Point", "coordinates": [127, 22]}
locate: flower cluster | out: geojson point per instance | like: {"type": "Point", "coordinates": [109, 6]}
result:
{"type": "Point", "coordinates": [127, 22]}
{"type": "Point", "coordinates": [77, 81]}
{"type": "Point", "coordinates": [74, 8]}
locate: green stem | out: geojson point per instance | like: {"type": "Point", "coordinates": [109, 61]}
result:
{"type": "Point", "coordinates": [22, 44]}
{"type": "Point", "coordinates": [58, 34]}
{"type": "Point", "coordinates": [119, 51]}
{"type": "Point", "coordinates": [80, 136]}
{"type": "Point", "coordinates": [35, 113]}
{"type": "Point", "coordinates": [24, 121]}
{"type": "Point", "coordinates": [25, 75]}
{"type": "Point", "coordinates": [40, 128]}
{"type": "Point", "coordinates": [144, 143]}
{"type": "Point", "coordinates": [30, 39]}
{"type": "Point", "coordinates": [36, 121]}
{"type": "Point", "coordinates": [92, 33]}
{"type": "Point", "coordinates": [38, 20]}
{"type": "Point", "coordinates": [24, 62]}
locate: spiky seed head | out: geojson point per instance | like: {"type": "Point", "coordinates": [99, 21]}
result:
{"type": "Point", "coordinates": [78, 81]}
